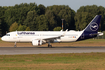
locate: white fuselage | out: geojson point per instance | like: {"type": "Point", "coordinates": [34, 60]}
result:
{"type": "Point", "coordinates": [28, 36]}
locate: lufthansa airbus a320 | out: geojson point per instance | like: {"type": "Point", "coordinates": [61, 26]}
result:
{"type": "Point", "coordinates": [41, 37]}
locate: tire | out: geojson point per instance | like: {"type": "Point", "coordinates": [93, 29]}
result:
{"type": "Point", "coordinates": [49, 46]}
{"type": "Point", "coordinates": [15, 46]}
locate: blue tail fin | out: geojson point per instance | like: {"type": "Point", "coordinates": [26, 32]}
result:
{"type": "Point", "coordinates": [92, 29]}
{"type": "Point", "coordinates": [94, 24]}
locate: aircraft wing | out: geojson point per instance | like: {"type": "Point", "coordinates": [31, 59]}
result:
{"type": "Point", "coordinates": [52, 37]}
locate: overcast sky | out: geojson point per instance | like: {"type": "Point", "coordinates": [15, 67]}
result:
{"type": "Point", "coordinates": [74, 4]}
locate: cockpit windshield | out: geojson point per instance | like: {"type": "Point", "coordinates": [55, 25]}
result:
{"type": "Point", "coordinates": [7, 35]}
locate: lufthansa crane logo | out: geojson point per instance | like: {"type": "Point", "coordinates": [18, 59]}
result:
{"type": "Point", "coordinates": [94, 26]}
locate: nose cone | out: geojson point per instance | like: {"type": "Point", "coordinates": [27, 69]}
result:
{"type": "Point", "coordinates": [3, 39]}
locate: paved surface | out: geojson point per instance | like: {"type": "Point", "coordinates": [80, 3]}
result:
{"type": "Point", "coordinates": [45, 50]}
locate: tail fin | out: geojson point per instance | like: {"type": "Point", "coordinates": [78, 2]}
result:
{"type": "Point", "coordinates": [94, 24]}
{"type": "Point", "coordinates": [91, 30]}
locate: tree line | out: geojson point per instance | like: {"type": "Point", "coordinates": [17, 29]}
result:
{"type": "Point", "coordinates": [33, 17]}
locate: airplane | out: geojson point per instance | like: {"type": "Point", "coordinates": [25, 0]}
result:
{"type": "Point", "coordinates": [38, 38]}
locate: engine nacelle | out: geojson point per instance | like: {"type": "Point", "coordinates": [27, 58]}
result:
{"type": "Point", "coordinates": [36, 42]}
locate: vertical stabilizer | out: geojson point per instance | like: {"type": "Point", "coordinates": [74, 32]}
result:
{"type": "Point", "coordinates": [94, 24]}
{"type": "Point", "coordinates": [91, 30]}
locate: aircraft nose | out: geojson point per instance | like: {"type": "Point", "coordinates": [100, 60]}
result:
{"type": "Point", "coordinates": [2, 38]}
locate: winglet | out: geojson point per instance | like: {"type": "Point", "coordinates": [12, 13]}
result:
{"type": "Point", "coordinates": [61, 30]}
{"type": "Point", "coordinates": [64, 33]}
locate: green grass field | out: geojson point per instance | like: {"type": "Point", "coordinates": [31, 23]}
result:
{"type": "Point", "coordinates": [70, 61]}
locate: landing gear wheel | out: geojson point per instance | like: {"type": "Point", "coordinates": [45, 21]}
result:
{"type": "Point", "coordinates": [49, 46]}
{"type": "Point", "coordinates": [15, 46]}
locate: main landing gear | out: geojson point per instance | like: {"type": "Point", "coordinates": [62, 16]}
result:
{"type": "Point", "coordinates": [49, 45]}
{"type": "Point", "coordinates": [15, 45]}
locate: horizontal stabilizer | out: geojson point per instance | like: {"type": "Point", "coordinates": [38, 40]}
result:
{"type": "Point", "coordinates": [100, 34]}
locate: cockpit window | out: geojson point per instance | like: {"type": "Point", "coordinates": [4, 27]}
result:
{"type": "Point", "coordinates": [7, 35]}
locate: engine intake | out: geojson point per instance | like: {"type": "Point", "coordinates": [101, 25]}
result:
{"type": "Point", "coordinates": [36, 42]}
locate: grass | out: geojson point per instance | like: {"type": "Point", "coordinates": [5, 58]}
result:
{"type": "Point", "coordinates": [70, 61]}
{"type": "Point", "coordinates": [89, 42]}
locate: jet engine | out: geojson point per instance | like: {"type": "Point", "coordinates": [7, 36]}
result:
{"type": "Point", "coordinates": [37, 42]}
